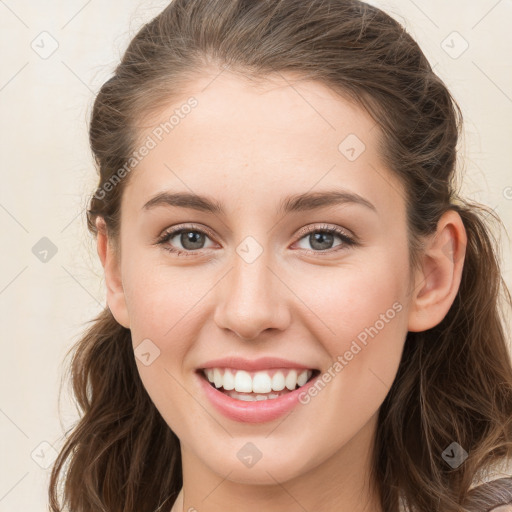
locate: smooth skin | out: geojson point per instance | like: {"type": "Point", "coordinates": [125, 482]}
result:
{"type": "Point", "coordinates": [248, 148]}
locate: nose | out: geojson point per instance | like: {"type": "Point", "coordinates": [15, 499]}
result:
{"type": "Point", "coordinates": [252, 299]}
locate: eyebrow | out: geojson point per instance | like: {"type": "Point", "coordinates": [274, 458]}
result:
{"type": "Point", "coordinates": [296, 203]}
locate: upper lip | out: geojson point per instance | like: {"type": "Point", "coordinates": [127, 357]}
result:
{"type": "Point", "coordinates": [262, 363]}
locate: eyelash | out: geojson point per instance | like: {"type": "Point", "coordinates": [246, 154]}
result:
{"type": "Point", "coordinates": [167, 235]}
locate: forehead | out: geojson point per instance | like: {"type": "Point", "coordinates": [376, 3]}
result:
{"type": "Point", "coordinates": [265, 137]}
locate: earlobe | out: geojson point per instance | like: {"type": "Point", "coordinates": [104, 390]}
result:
{"type": "Point", "coordinates": [109, 260]}
{"type": "Point", "coordinates": [438, 280]}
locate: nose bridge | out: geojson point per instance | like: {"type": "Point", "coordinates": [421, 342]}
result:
{"type": "Point", "coordinates": [250, 299]}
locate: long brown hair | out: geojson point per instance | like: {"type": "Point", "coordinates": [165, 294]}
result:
{"type": "Point", "coordinates": [454, 383]}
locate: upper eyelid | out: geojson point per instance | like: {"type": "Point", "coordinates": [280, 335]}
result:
{"type": "Point", "coordinates": [325, 227]}
{"type": "Point", "coordinates": [189, 227]}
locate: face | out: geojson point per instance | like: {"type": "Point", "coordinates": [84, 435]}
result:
{"type": "Point", "coordinates": [323, 285]}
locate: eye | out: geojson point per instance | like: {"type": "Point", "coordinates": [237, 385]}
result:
{"type": "Point", "coordinates": [321, 238]}
{"type": "Point", "coordinates": [192, 239]}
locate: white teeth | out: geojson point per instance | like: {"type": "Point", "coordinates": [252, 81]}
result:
{"type": "Point", "coordinates": [302, 378]}
{"type": "Point", "coordinates": [278, 381]}
{"type": "Point", "coordinates": [291, 380]}
{"type": "Point", "coordinates": [217, 378]}
{"type": "Point", "coordinates": [259, 382]}
{"type": "Point", "coordinates": [229, 381]}
{"type": "Point", "coordinates": [251, 398]}
{"type": "Point", "coordinates": [243, 382]}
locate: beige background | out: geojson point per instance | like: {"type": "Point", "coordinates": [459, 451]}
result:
{"type": "Point", "coordinates": [47, 172]}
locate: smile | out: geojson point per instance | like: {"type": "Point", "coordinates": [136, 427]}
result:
{"type": "Point", "coordinates": [263, 405]}
{"type": "Point", "coordinates": [260, 385]}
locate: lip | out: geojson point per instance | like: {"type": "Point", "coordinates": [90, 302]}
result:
{"type": "Point", "coordinates": [258, 411]}
{"type": "Point", "coordinates": [253, 365]}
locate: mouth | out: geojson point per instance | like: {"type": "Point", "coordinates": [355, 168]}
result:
{"type": "Point", "coordinates": [259, 385]}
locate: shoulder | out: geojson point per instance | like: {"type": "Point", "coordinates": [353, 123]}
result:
{"type": "Point", "coordinates": [494, 496]}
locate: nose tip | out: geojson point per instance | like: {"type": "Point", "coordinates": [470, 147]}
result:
{"type": "Point", "coordinates": [251, 326]}
{"type": "Point", "coordinates": [250, 302]}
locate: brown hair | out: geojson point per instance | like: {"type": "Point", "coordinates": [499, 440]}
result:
{"type": "Point", "coordinates": [454, 383]}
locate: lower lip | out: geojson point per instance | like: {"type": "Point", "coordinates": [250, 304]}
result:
{"type": "Point", "coordinates": [258, 411]}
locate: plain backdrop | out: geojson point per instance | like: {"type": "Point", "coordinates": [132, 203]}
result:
{"type": "Point", "coordinates": [55, 56]}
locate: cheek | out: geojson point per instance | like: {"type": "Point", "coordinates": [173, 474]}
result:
{"type": "Point", "coordinates": [163, 308]}
{"type": "Point", "coordinates": [364, 308]}
{"type": "Point", "coordinates": [162, 300]}
{"type": "Point", "coordinates": [350, 300]}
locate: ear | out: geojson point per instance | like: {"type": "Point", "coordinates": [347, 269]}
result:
{"type": "Point", "coordinates": [437, 282]}
{"type": "Point", "coordinates": [115, 293]}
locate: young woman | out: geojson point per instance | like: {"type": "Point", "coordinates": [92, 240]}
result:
{"type": "Point", "coordinates": [302, 312]}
